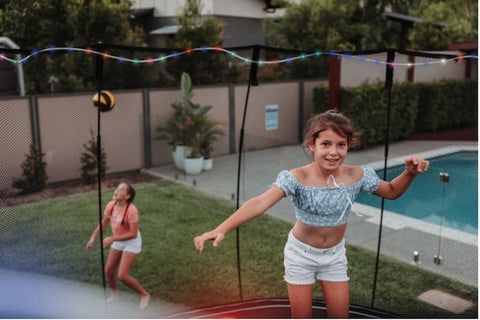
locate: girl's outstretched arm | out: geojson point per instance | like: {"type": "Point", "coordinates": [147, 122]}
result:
{"type": "Point", "coordinates": [252, 208]}
{"type": "Point", "coordinates": [394, 189]}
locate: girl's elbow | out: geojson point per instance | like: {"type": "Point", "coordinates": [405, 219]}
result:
{"type": "Point", "coordinates": [394, 196]}
{"type": "Point", "coordinates": [389, 194]}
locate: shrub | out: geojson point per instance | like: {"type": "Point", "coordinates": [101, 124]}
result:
{"type": "Point", "coordinates": [34, 177]}
{"type": "Point", "coordinates": [89, 161]}
{"type": "Point", "coordinates": [414, 107]}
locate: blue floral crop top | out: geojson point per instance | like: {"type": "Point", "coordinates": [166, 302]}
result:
{"type": "Point", "coordinates": [329, 206]}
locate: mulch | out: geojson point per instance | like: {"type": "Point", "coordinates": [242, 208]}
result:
{"type": "Point", "coordinates": [12, 197]}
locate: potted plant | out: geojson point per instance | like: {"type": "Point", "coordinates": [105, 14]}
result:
{"type": "Point", "coordinates": [194, 160]}
{"type": "Point", "coordinates": [198, 124]}
{"type": "Point", "coordinates": [209, 136]}
{"type": "Point", "coordinates": [187, 128]}
{"type": "Point", "coordinates": [174, 128]}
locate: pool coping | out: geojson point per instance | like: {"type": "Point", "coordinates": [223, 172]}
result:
{"type": "Point", "coordinates": [397, 221]}
{"type": "Point", "coordinates": [378, 165]}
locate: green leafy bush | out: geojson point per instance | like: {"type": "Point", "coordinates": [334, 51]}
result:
{"type": "Point", "coordinates": [414, 107]}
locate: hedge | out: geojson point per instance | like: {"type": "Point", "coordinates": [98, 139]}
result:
{"type": "Point", "coordinates": [414, 107]}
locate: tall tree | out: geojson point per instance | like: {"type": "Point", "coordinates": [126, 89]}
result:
{"type": "Point", "coordinates": [362, 25]}
{"type": "Point", "coordinates": [445, 22]}
{"type": "Point", "coordinates": [197, 31]}
{"type": "Point", "coordinates": [315, 25]}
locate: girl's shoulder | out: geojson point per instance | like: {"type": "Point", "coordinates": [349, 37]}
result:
{"type": "Point", "coordinates": [353, 171]}
{"type": "Point", "coordinates": [110, 205]}
{"type": "Point", "coordinates": [132, 208]}
{"type": "Point", "coordinates": [109, 208]}
{"type": "Point", "coordinates": [300, 173]}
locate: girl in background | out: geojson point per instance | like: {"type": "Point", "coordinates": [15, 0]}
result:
{"type": "Point", "coordinates": [125, 243]}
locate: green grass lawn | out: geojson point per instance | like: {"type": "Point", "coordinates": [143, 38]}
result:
{"type": "Point", "coordinates": [49, 237]}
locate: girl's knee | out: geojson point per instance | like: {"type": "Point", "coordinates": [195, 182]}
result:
{"type": "Point", "coordinates": [109, 272]}
{"type": "Point", "coordinates": [123, 276]}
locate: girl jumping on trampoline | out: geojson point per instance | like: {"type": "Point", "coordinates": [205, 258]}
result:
{"type": "Point", "coordinates": [323, 193]}
{"type": "Point", "coordinates": [125, 243]}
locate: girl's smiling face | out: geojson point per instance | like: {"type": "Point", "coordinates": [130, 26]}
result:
{"type": "Point", "coordinates": [329, 150]}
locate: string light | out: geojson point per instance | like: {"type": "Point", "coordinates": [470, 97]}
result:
{"type": "Point", "coordinates": [218, 49]}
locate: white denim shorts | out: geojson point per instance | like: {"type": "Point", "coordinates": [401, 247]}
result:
{"type": "Point", "coordinates": [132, 245]}
{"type": "Point", "coordinates": [304, 264]}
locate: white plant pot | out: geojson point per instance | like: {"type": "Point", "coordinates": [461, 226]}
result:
{"type": "Point", "coordinates": [179, 155]}
{"type": "Point", "coordinates": [193, 165]}
{"type": "Point", "coordinates": [207, 164]}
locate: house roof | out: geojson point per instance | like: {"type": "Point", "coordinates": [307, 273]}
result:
{"type": "Point", "coordinates": [402, 17]}
{"type": "Point", "coordinates": [410, 20]}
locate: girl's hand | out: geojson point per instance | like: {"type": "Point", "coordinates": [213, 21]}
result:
{"type": "Point", "coordinates": [89, 245]}
{"type": "Point", "coordinates": [214, 235]}
{"type": "Point", "coordinates": [107, 242]}
{"type": "Point", "coordinates": [415, 165]}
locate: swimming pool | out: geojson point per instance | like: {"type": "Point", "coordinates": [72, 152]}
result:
{"type": "Point", "coordinates": [429, 199]}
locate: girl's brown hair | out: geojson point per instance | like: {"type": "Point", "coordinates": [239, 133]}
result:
{"type": "Point", "coordinates": [334, 120]}
{"type": "Point", "coordinates": [130, 191]}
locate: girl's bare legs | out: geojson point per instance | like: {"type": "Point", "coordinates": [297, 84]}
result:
{"type": "Point", "coordinates": [300, 297]}
{"type": "Point", "coordinates": [337, 298]}
{"type": "Point", "coordinates": [126, 262]}
{"type": "Point", "coordinates": [113, 261]}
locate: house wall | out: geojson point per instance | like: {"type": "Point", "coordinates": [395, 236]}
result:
{"type": "Point", "coordinates": [243, 20]}
{"type": "Point", "coordinates": [236, 8]}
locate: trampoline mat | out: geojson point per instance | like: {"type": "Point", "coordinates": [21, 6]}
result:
{"type": "Point", "coordinates": [272, 309]}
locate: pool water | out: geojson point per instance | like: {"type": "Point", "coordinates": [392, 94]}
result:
{"type": "Point", "coordinates": [453, 204]}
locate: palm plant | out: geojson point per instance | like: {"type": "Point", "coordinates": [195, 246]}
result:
{"type": "Point", "coordinates": [209, 135]}
{"type": "Point", "coordinates": [190, 125]}
{"type": "Point", "coordinates": [174, 128]}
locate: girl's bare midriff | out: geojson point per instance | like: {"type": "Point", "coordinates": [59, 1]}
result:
{"type": "Point", "coordinates": [319, 237]}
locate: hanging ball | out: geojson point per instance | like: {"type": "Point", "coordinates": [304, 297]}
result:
{"type": "Point", "coordinates": [106, 103]}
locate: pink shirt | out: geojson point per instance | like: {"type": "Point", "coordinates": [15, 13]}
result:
{"type": "Point", "coordinates": [116, 216]}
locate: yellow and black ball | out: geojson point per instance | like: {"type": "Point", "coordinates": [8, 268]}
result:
{"type": "Point", "coordinates": [106, 101]}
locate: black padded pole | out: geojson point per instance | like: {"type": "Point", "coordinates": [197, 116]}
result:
{"type": "Point", "coordinates": [252, 81]}
{"type": "Point", "coordinates": [388, 86]}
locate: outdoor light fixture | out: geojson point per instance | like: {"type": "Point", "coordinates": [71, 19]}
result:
{"type": "Point", "coordinates": [437, 259]}
{"type": "Point", "coordinates": [444, 177]}
{"type": "Point", "coordinates": [416, 256]}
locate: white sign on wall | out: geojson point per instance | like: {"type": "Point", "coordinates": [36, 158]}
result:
{"type": "Point", "coordinates": [271, 117]}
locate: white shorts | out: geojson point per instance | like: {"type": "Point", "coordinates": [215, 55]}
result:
{"type": "Point", "coordinates": [132, 245]}
{"type": "Point", "coordinates": [304, 264]}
